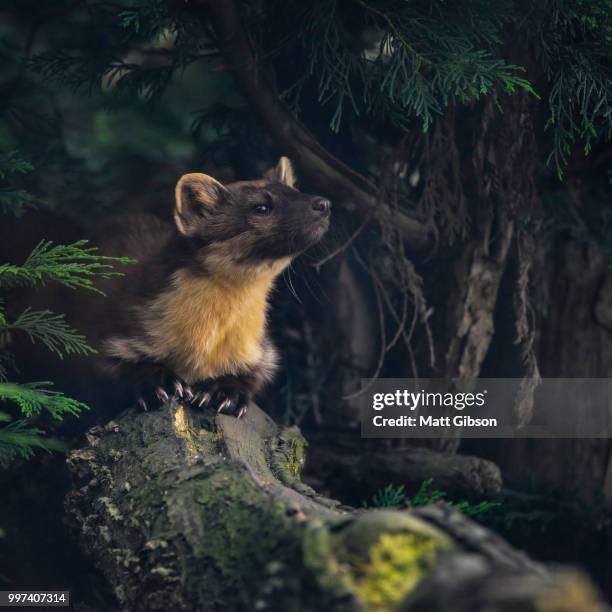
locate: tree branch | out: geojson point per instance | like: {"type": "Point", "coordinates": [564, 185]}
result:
{"type": "Point", "coordinates": [325, 172]}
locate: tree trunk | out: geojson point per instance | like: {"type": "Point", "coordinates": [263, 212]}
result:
{"type": "Point", "coordinates": [574, 341]}
{"type": "Point", "coordinates": [181, 510]}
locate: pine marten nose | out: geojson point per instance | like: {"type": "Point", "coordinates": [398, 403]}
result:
{"type": "Point", "coordinates": [322, 205]}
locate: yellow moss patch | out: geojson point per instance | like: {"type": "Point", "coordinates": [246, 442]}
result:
{"type": "Point", "coordinates": [398, 561]}
{"type": "Point", "coordinates": [377, 556]}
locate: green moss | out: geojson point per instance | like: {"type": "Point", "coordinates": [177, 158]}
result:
{"type": "Point", "coordinates": [230, 520]}
{"type": "Point", "coordinates": [397, 564]}
{"type": "Point", "coordinates": [287, 452]}
{"type": "Point", "coordinates": [242, 543]}
{"type": "Point", "coordinates": [319, 558]}
{"type": "Point", "coordinates": [377, 557]}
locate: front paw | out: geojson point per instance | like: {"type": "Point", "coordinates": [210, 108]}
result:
{"type": "Point", "coordinates": [221, 398]}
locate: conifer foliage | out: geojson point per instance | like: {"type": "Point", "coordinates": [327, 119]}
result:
{"type": "Point", "coordinates": [74, 265]}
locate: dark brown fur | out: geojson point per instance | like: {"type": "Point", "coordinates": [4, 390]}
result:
{"type": "Point", "coordinates": [204, 282]}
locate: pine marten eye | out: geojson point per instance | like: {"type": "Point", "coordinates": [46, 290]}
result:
{"type": "Point", "coordinates": [262, 209]}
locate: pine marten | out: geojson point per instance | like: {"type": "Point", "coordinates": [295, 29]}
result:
{"type": "Point", "coordinates": [189, 319]}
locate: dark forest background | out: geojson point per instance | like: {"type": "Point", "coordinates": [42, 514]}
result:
{"type": "Point", "coordinates": [466, 149]}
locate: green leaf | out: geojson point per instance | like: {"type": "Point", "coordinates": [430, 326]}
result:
{"type": "Point", "coordinates": [392, 496]}
{"type": "Point", "coordinates": [17, 439]}
{"type": "Point", "coordinates": [33, 399]}
{"type": "Point", "coordinates": [72, 265]}
{"type": "Point", "coordinates": [12, 163]}
{"type": "Point", "coordinates": [50, 329]}
{"type": "Point", "coordinates": [12, 199]}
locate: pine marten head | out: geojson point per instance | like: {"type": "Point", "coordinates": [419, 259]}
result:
{"type": "Point", "coordinates": [249, 224]}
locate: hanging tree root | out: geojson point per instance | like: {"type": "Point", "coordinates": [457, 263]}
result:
{"type": "Point", "coordinates": [184, 510]}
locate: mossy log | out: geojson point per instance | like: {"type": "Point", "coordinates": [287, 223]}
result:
{"type": "Point", "coordinates": [183, 510]}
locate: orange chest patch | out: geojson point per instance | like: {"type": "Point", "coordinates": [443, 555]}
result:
{"type": "Point", "coordinates": [208, 329]}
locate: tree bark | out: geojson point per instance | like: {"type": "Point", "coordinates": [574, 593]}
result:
{"type": "Point", "coordinates": [183, 510]}
{"type": "Point", "coordinates": [574, 341]}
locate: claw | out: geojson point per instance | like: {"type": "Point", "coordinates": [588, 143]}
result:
{"type": "Point", "coordinates": [189, 392]}
{"type": "Point", "coordinates": [178, 387]}
{"type": "Point", "coordinates": [242, 411]}
{"type": "Point", "coordinates": [143, 404]}
{"type": "Point", "coordinates": [226, 403]}
{"type": "Point", "coordinates": [161, 394]}
{"type": "Point", "coordinates": [204, 399]}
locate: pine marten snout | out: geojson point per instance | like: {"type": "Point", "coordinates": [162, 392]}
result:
{"type": "Point", "coordinates": [192, 313]}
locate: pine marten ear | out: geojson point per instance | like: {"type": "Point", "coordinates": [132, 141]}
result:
{"type": "Point", "coordinates": [196, 195]}
{"type": "Point", "coordinates": [283, 172]}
